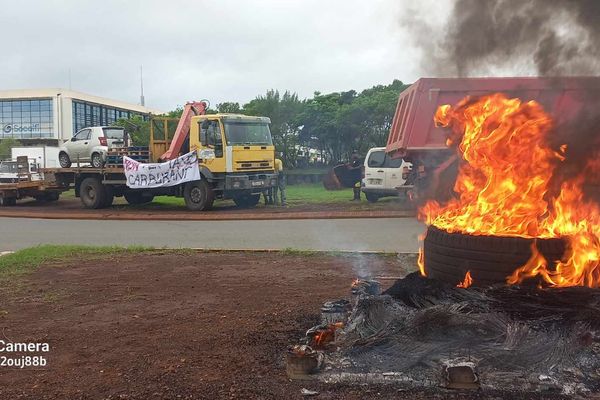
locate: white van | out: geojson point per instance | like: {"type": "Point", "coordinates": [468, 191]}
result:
{"type": "Point", "coordinates": [383, 175]}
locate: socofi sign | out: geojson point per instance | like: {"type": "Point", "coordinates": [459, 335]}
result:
{"type": "Point", "coordinates": [21, 128]}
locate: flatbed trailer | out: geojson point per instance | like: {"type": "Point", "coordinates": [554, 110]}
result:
{"type": "Point", "coordinates": [41, 190]}
{"type": "Point", "coordinates": [97, 187]}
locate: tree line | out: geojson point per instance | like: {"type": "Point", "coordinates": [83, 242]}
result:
{"type": "Point", "coordinates": [333, 125]}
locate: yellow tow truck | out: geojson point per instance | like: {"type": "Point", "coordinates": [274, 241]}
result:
{"type": "Point", "coordinates": [235, 153]}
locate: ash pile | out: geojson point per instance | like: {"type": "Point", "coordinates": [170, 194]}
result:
{"type": "Point", "coordinates": [425, 333]}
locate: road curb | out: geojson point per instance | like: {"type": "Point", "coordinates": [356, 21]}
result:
{"type": "Point", "coordinates": [210, 216]}
{"type": "Point", "coordinates": [297, 251]}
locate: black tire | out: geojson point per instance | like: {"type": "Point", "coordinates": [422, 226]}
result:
{"type": "Point", "coordinates": [92, 193]}
{"type": "Point", "coordinates": [371, 197]}
{"type": "Point", "coordinates": [97, 161]}
{"type": "Point", "coordinates": [64, 160]}
{"type": "Point", "coordinates": [491, 259]}
{"type": "Point", "coordinates": [246, 200]}
{"type": "Point", "coordinates": [109, 197]}
{"type": "Point", "coordinates": [198, 195]}
{"type": "Point", "coordinates": [7, 201]}
{"type": "Point", "coordinates": [48, 197]}
{"type": "Point", "coordinates": [137, 198]}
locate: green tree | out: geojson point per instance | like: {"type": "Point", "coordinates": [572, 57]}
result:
{"type": "Point", "coordinates": [6, 145]}
{"type": "Point", "coordinates": [229, 107]}
{"type": "Point", "coordinates": [339, 123]}
{"type": "Point", "coordinates": [283, 111]}
{"type": "Point", "coordinates": [138, 130]}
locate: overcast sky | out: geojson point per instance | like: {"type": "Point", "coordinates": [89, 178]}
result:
{"type": "Point", "coordinates": [222, 50]}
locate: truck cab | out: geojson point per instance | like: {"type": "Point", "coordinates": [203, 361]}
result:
{"type": "Point", "coordinates": [10, 173]}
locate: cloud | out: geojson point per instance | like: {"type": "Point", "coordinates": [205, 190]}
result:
{"type": "Point", "coordinates": [226, 50]}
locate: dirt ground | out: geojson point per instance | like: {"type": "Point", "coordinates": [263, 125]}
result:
{"type": "Point", "coordinates": [183, 325]}
{"type": "Point", "coordinates": [172, 324]}
{"type": "Point", "coordinates": [71, 207]}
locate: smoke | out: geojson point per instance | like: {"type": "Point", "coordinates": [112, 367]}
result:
{"type": "Point", "coordinates": [549, 38]}
{"type": "Point", "coordinates": [487, 37]}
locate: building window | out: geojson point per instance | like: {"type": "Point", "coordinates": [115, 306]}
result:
{"type": "Point", "coordinates": [26, 119]}
{"type": "Point", "coordinates": [90, 114]}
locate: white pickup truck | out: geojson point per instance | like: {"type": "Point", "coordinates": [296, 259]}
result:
{"type": "Point", "coordinates": [383, 175]}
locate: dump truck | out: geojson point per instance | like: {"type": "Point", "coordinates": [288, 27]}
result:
{"type": "Point", "coordinates": [235, 154]}
{"type": "Point", "coordinates": [415, 138]}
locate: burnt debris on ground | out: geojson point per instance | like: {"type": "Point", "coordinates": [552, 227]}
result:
{"type": "Point", "coordinates": [425, 333]}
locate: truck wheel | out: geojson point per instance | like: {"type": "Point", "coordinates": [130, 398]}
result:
{"type": "Point", "coordinates": [92, 193]}
{"type": "Point", "coordinates": [97, 161]}
{"type": "Point", "coordinates": [246, 200]}
{"type": "Point", "coordinates": [64, 160]}
{"type": "Point", "coordinates": [198, 195]}
{"type": "Point", "coordinates": [371, 197]}
{"type": "Point", "coordinates": [110, 196]}
{"type": "Point", "coordinates": [47, 197]}
{"type": "Point", "coordinates": [7, 201]}
{"type": "Point", "coordinates": [136, 198]}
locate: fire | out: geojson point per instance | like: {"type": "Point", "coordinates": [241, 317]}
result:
{"type": "Point", "coordinates": [468, 281]}
{"type": "Point", "coordinates": [355, 282]}
{"type": "Point", "coordinates": [421, 262]}
{"type": "Point", "coordinates": [326, 335]}
{"type": "Point", "coordinates": [504, 187]}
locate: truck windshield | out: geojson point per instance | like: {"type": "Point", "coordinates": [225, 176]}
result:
{"type": "Point", "coordinates": [249, 133]}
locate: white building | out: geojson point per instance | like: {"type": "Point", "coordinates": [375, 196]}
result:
{"type": "Point", "coordinates": [51, 116]}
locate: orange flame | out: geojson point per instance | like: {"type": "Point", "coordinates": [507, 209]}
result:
{"type": "Point", "coordinates": [504, 187]}
{"type": "Point", "coordinates": [355, 282]}
{"type": "Point", "coordinates": [327, 335]}
{"type": "Point", "coordinates": [421, 262]}
{"type": "Point", "coordinates": [468, 281]}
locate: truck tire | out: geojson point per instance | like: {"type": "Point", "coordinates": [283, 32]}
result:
{"type": "Point", "coordinates": [110, 196]}
{"type": "Point", "coordinates": [137, 198]}
{"type": "Point", "coordinates": [490, 259]}
{"type": "Point", "coordinates": [246, 200]}
{"type": "Point", "coordinates": [198, 195]}
{"type": "Point", "coordinates": [92, 193]}
{"type": "Point", "coordinates": [47, 197]}
{"type": "Point", "coordinates": [371, 197]}
{"type": "Point", "coordinates": [64, 160]}
{"type": "Point", "coordinates": [7, 201]}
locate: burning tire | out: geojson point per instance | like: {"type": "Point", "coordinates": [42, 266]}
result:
{"type": "Point", "coordinates": [490, 259]}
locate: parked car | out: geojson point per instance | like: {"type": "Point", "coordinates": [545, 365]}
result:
{"type": "Point", "coordinates": [383, 175]}
{"type": "Point", "coordinates": [90, 145]}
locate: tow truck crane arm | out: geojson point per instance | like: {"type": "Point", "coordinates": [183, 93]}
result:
{"type": "Point", "coordinates": [183, 128]}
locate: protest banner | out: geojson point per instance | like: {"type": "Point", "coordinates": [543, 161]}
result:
{"type": "Point", "coordinates": [170, 173]}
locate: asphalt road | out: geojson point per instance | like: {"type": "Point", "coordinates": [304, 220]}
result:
{"type": "Point", "coordinates": [379, 234]}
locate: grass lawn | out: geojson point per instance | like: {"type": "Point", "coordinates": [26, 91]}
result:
{"type": "Point", "coordinates": [296, 195]}
{"type": "Point", "coordinates": [316, 193]}
{"type": "Point", "coordinates": [27, 260]}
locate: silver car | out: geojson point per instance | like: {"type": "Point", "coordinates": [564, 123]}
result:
{"type": "Point", "coordinates": [90, 145]}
